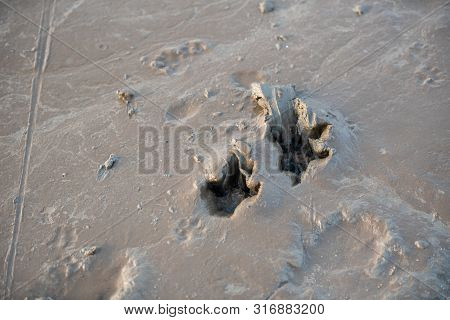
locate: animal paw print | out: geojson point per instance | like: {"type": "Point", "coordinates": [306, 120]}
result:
{"type": "Point", "coordinates": [187, 229]}
{"type": "Point", "coordinates": [430, 76]}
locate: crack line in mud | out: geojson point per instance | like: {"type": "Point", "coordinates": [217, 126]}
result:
{"type": "Point", "coordinates": [273, 292]}
{"type": "Point", "coordinates": [42, 54]}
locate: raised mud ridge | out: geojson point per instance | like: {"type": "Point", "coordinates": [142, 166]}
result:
{"type": "Point", "coordinates": [286, 122]}
{"type": "Point", "coordinates": [300, 137]}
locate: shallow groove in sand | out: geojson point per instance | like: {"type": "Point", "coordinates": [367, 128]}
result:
{"type": "Point", "coordinates": [42, 54]}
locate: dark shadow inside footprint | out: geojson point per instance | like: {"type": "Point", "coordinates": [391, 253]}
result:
{"type": "Point", "coordinates": [297, 152]}
{"type": "Point", "coordinates": [225, 194]}
{"type": "Point", "coordinates": [290, 125]}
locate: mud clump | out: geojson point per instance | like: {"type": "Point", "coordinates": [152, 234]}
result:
{"type": "Point", "coordinates": [105, 167]}
{"type": "Point", "coordinates": [89, 251]}
{"type": "Point", "coordinates": [233, 184]}
{"type": "Point", "coordinates": [289, 124]}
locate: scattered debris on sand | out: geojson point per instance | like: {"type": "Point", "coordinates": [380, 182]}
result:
{"type": "Point", "coordinates": [89, 251]}
{"type": "Point", "coordinates": [106, 166]}
{"type": "Point", "coordinates": [125, 97]}
{"type": "Point", "coordinates": [266, 6]}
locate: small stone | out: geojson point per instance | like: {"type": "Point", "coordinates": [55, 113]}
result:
{"type": "Point", "coordinates": [198, 158]}
{"type": "Point", "coordinates": [280, 37]}
{"type": "Point", "coordinates": [206, 93]}
{"type": "Point", "coordinates": [89, 251]}
{"type": "Point", "coordinates": [422, 244]}
{"type": "Point", "coordinates": [427, 81]}
{"type": "Point", "coordinates": [382, 151]}
{"type": "Point", "coordinates": [240, 58]}
{"type": "Point", "coordinates": [143, 59]}
{"type": "Point", "coordinates": [266, 6]}
{"type": "Point", "coordinates": [63, 174]}
{"type": "Point", "coordinates": [392, 270]}
{"type": "Point", "coordinates": [278, 46]}
{"type": "Point", "coordinates": [157, 64]}
{"type": "Point", "coordinates": [110, 162]}
{"type": "Point", "coordinates": [358, 10]}
{"type": "Point", "coordinates": [171, 210]}
{"type": "Point", "coordinates": [169, 192]}
{"type": "Point", "coordinates": [125, 76]}
{"type": "Point", "coordinates": [130, 112]}
{"type": "Point", "coordinates": [139, 206]}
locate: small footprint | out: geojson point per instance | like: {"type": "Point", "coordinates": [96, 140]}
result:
{"type": "Point", "coordinates": [430, 76]}
{"type": "Point", "coordinates": [168, 61]}
{"type": "Point", "coordinates": [187, 229]}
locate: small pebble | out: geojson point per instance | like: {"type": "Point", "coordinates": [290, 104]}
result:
{"type": "Point", "coordinates": [143, 59]}
{"type": "Point", "coordinates": [422, 244]}
{"type": "Point", "coordinates": [110, 162]}
{"type": "Point", "coordinates": [157, 64]}
{"type": "Point", "coordinates": [266, 6]}
{"type": "Point", "coordinates": [89, 251]}
{"type": "Point", "coordinates": [358, 10]}
{"type": "Point", "coordinates": [198, 158]}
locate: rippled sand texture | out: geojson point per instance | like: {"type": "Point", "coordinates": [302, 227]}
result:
{"type": "Point", "coordinates": [352, 203]}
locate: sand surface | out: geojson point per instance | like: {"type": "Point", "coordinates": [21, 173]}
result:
{"type": "Point", "coordinates": [358, 209]}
